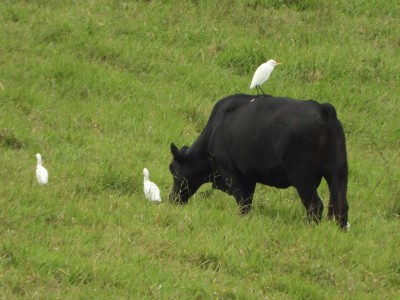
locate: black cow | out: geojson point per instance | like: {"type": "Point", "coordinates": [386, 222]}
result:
{"type": "Point", "coordinates": [276, 141]}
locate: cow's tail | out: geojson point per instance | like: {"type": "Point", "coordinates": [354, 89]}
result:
{"type": "Point", "coordinates": [336, 173]}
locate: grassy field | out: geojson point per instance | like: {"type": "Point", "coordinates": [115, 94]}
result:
{"type": "Point", "coordinates": [101, 89]}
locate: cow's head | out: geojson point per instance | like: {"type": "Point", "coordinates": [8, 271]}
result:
{"type": "Point", "coordinates": [189, 171]}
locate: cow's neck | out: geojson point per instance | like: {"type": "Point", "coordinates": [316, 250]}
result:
{"type": "Point", "coordinates": [199, 149]}
{"type": "Point", "coordinates": [199, 152]}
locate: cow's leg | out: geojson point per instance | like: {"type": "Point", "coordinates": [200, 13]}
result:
{"type": "Point", "coordinates": [243, 194]}
{"type": "Point", "coordinates": [242, 190]}
{"type": "Point", "coordinates": [338, 206]}
{"type": "Point", "coordinates": [330, 209]}
{"type": "Point", "coordinates": [244, 199]}
{"type": "Point", "coordinates": [317, 207]}
{"type": "Point", "coordinates": [311, 200]}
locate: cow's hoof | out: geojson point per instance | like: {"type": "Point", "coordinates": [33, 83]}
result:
{"type": "Point", "coordinates": [347, 228]}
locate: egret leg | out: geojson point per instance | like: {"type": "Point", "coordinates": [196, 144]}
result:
{"type": "Point", "coordinates": [261, 90]}
{"type": "Point", "coordinates": [258, 93]}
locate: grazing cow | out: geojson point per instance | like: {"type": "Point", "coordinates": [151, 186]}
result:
{"type": "Point", "coordinates": [276, 141]}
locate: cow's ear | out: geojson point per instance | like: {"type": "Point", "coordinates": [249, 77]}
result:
{"type": "Point", "coordinates": [175, 151]}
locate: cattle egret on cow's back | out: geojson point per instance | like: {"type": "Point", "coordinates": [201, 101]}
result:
{"type": "Point", "coordinates": [42, 175]}
{"type": "Point", "coordinates": [262, 74]}
{"type": "Point", "coordinates": [151, 190]}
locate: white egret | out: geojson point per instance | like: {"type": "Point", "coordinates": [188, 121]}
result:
{"type": "Point", "coordinates": [151, 190]}
{"type": "Point", "coordinates": [42, 175]}
{"type": "Point", "coordinates": [262, 74]}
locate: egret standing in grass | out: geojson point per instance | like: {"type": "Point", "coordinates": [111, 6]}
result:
{"type": "Point", "coordinates": [262, 74]}
{"type": "Point", "coordinates": [42, 175]}
{"type": "Point", "coordinates": [151, 190]}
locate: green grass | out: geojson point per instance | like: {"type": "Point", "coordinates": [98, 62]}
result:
{"type": "Point", "coordinates": [101, 89]}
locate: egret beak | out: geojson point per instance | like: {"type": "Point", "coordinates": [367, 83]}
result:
{"type": "Point", "coordinates": [278, 63]}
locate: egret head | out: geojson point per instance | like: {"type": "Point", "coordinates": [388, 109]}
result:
{"type": "Point", "coordinates": [146, 173]}
{"type": "Point", "coordinates": [273, 63]}
{"type": "Point", "coordinates": [38, 158]}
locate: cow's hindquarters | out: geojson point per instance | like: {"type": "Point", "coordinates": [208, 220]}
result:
{"type": "Point", "coordinates": [336, 173]}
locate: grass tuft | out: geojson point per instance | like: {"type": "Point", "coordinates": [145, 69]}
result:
{"type": "Point", "coordinates": [9, 140]}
